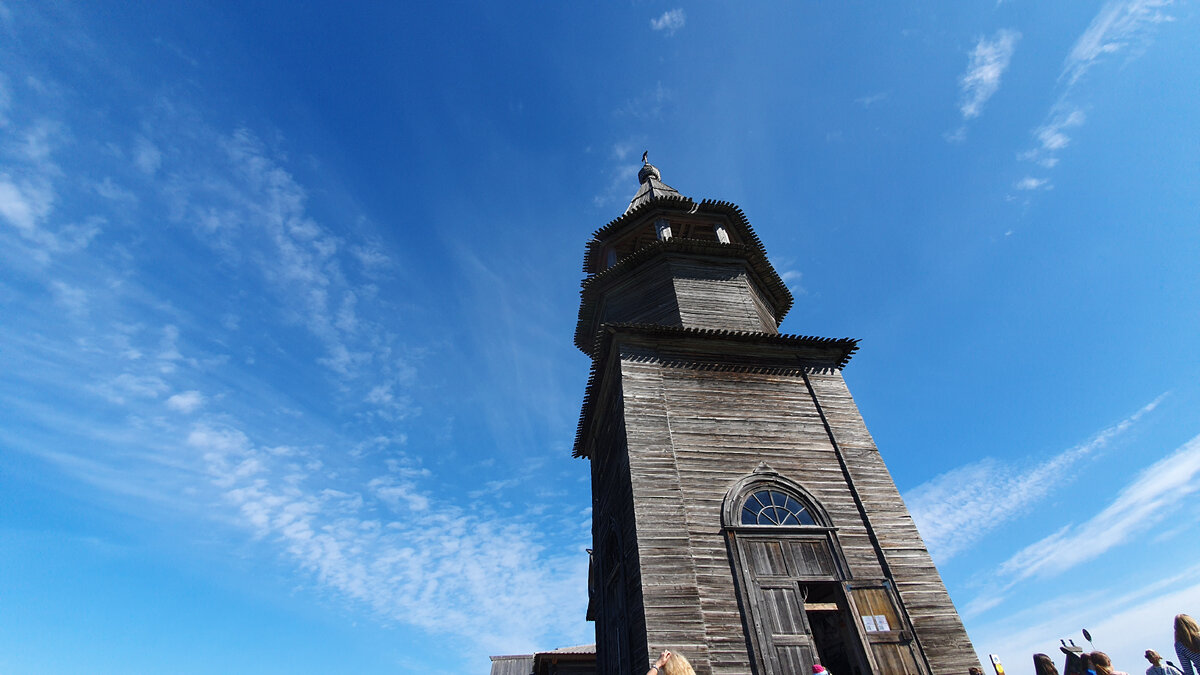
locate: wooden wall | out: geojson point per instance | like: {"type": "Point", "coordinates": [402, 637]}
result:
{"type": "Point", "coordinates": [645, 295]}
{"type": "Point", "coordinates": [691, 433]}
{"type": "Point", "coordinates": [718, 294]}
{"type": "Point", "coordinates": [612, 511]}
{"type": "Point", "coordinates": [685, 291]}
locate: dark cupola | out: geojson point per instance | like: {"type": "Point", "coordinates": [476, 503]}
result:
{"type": "Point", "coordinates": [670, 261]}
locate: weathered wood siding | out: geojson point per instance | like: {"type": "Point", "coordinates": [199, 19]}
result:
{"type": "Point", "coordinates": [646, 295]}
{"type": "Point", "coordinates": [512, 665]}
{"type": "Point", "coordinates": [938, 628]}
{"type": "Point", "coordinates": [612, 508]}
{"type": "Point", "coordinates": [670, 592]}
{"type": "Point", "coordinates": [692, 434]}
{"type": "Point", "coordinates": [572, 667]}
{"type": "Point", "coordinates": [692, 430]}
{"type": "Point", "coordinates": [719, 294]}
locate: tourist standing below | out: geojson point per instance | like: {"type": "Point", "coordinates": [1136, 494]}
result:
{"type": "Point", "coordinates": [1044, 665]}
{"type": "Point", "coordinates": [671, 663]}
{"type": "Point", "coordinates": [1157, 667]}
{"type": "Point", "coordinates": [1187, 643]}
{"type": "Point", "coordinates": [1103, 665]}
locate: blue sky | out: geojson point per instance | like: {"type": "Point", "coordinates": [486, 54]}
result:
{"type": "Point", "coordinates": [287, 295]}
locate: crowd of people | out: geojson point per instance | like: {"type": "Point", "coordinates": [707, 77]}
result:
{"type": "Point", "coordinates": [1187, 649]}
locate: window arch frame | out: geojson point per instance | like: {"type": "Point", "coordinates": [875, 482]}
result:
{"type": "Point", "coordinates": [753, 504]}
{"type": "Point", "coordinates": [765, 478]}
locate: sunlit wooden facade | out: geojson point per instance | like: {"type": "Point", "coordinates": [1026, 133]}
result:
{"type": "Point", "coordinates": [741, 511]}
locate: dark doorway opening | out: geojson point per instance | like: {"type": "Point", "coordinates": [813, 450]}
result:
{"type": "Point", "coordinates": [833, 635]}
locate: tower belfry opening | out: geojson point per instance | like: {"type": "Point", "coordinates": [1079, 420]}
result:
{"type": "Point", "coordinates": [741, 513]}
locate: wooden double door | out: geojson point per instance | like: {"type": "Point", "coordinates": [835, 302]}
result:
{"type": "Point", "coordinates": [800, 611]}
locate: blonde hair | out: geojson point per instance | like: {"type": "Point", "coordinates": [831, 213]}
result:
{"type": "Point", "coordinates": [678, 665]}
{"type": "Point", "coordinates": [1187, 633]}
{"type": "Point", "coordinates": [1101, 663]}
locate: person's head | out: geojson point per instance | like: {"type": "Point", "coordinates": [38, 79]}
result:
{"type": "Point", "coordinates": [1101, 663]}
{"type": "Point", "coordinates": [1187, 633]}
{"type": "Point", "coordinates": [974, 670]}
{"type": "Point", "coordinates": [678, 665]}
{"type": "Point", "coordinates": [818, 669]}
{"type": "Point", "coordinates": [1043, 665]}
{"type": "Point", "coordinates": [1153, 657]}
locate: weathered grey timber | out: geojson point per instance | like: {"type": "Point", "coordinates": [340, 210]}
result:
{"type": "Point", "coordinates": [512, 665]}
{"type": "Point", "coordinates": [650, 187]}
{"type": "Point", "coordinates": [741, 512]}
{"type": "Point", "coordinates": [577, 660]}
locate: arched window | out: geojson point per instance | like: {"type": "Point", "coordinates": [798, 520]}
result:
{"type": "Point", "coordinates": [773, 507]}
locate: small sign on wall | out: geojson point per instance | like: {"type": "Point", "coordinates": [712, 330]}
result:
{"type": "Point", "coordinates": [875, 623]}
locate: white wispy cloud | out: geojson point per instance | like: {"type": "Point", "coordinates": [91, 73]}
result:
{"type": "Point", "coordinates": [73, 299]}
{"type": "Point", "coordinates": [1052, 135]}
{"type": "Point", "coordinates": [622, 172]}
{"type": "Point", "coordinates": [989, 60]}
{"type": "Point", "coordinates": [237, 196]}
{"type": "Point", "coordinates": [871, 99]}
{"type": "Point", "coordinates": [110, 190]}
{"type": "Point", "coordinates": [1124, 621]}
{"type": "Point", "coordinates": [1119, 26]}
{"type": "Point", "coordinates": [30, 191]}
{"type": "Point", "coordinates": [146, 156]}
{"type": "Point", "coordinates": [186, 401]}
{"type": "Point", "coordinates": [648, 105]}
{"type": "Point", "coordinates": [388, 539]}
{"type": "Point", "coordinates": [1157, 492]}
{"type": "Point", "coordinates": [670, 21]}
{"type": "Point", "coordinates": [1159, 489]}
{"type": "Point", "coordinates": [958, 508]}
{"type": "Point", "coordinates": [793, 278]}
{"type": "Point", "coordinates": [1031, 183]}
{"type": "Point", "coordinates": [120, 388]}
{"type": "Point", "coordinates": [24, 204]}
{"type": "Point", "coordinates": [448, 569]}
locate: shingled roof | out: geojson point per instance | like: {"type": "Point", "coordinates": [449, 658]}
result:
{"type": "Point", "coordinates": [651, 187]}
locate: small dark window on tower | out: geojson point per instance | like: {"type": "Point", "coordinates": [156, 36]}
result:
{"type": "Point", "coordinates": [771, 507]}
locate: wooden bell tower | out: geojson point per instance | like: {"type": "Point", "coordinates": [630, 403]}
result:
{"type": "Point", "coordinates": [741, 513]}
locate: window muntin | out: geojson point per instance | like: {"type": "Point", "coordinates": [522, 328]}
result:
{"type": "Point", "coordinates": [772, 507]}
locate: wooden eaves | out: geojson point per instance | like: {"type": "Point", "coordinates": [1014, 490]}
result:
{"type": "Point", "coordinates": [806, 351]}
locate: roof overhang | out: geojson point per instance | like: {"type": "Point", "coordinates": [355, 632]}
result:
{"type": "Point", "coordinates": [709, 349]}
